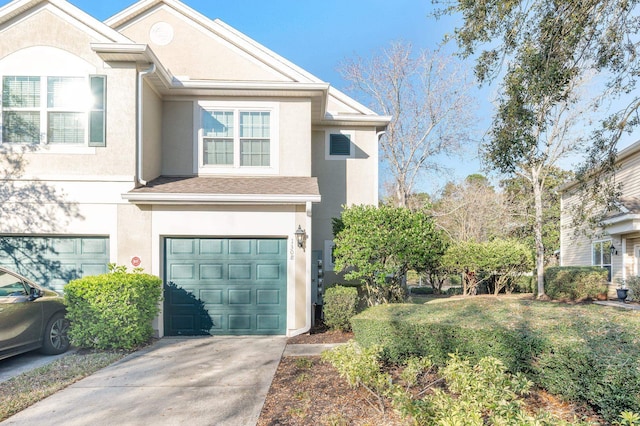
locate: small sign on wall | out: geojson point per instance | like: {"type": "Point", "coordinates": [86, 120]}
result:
{"type": "Point", "coordinates": [135, 261]}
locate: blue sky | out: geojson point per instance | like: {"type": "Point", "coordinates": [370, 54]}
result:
{"type": "Point", "coordinates": [318, 35]}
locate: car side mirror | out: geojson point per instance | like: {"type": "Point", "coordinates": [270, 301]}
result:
{"type": "Point", "coordinates": [34, 293]}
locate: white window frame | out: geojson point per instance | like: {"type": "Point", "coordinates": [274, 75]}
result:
{"type": "Point", "coordinates": [602, 264]}
{"type": "Point", "coordinates": [44, 109]}
{"type": "Point", "coordinates": [237, 107]}
{"type": "Point", "coordinates": [329, 245]}
{"type": "Point", "coordinates": [327, 144]}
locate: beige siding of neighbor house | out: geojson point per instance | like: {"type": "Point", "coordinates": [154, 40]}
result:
{"type": "Point", "coordinates": [193, 52]}
{"type": "Point", "coordinates": [43, 31]}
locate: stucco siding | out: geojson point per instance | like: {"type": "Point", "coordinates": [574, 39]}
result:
{"type": "Point", "coordinates": [178, 138]}
{"type": "Point", "coordinates": [152, 134]}
{"type": "Point", "coordinates": [194, 53]}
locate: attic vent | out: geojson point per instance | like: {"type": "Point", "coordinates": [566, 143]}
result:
{"type": "Point", "coordinates": [161, 33]}
{"type": "Point", "coordinates": [339, 144]}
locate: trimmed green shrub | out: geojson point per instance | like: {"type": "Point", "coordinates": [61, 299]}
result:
{"type": "Point", "coordinates": [114, 310]}
{"type": "Point", "coordinates": [575, 282]}
{"type": "Point", "coordinates": [421, 290]}
{"type": "Point", "coordinates": [454, 291]}
{"type": "Point", "coordinates": [340, 304]}
{"type": "Point", "coordinates": [585, 353]}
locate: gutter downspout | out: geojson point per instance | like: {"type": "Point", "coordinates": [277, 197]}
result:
{"type": "Point", "coordinates": [141, 75]}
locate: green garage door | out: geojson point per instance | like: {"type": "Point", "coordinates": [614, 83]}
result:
{"type": "Point", "coordinates": [225, 286]}
{"type": "Point", "coordinates": [54, 261]}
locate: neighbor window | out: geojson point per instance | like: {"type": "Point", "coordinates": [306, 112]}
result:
{"type": "Point", "coordinates": [235, 138]}
{"type": "Point", "coordinates": [53, 110]}
{"type": "Point", "coordinates": [602, 255]}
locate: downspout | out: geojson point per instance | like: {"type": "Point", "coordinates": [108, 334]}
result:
{"type": "Point", "coordinates": [141, 75]}
{"type": "Point", "coordinates": [376, 180]}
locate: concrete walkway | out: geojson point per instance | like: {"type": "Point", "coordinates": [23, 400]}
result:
{"type": "Point", "coordinates": [176, 381]}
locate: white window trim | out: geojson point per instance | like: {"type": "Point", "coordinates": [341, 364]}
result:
{"type": "Point", "coordinates": [43, 109]}
{"type": "Point", "coordinates": [602, 265]}
{"type": "Point", "coordinates": [327, 144]}
{"type": "Point", "coordinates": [236, 169]}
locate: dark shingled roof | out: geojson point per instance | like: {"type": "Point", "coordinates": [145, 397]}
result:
{"type": "Point", "coordinates": [268, 185]}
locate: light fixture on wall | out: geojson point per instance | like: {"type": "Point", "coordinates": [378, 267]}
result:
{"type": "Point", "coordinates": [613, 250]}
{"type": "Point", "coordinates": [300, 236]}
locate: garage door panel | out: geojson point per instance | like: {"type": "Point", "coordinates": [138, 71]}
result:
{"type": "Point", "coordinates": [240, 272]}
{"type": "Point", "coordinates": [94, 246]}
{"type": "Point", "coordinates": [179, 246]}
{"type": "Point", "coordinates": [240, 297]}
{"type": "Point", "coordinates": [237, 290]}
{"type": "Point", "coordinates": [268, 297]}
{"type": "Point", "coordinates": [240, 247]}
{"type": "Point", "coordinates": [268, 322]}
{"type": "Point", "coordinates": [268, 272]}
{"type": "Point", "coordinates": [211, 271]}
{"type": "Point", "coordinates": [211, 246]}
{"type": "Point", "coordinates": [182, 272]}
{"type": "Point", "coordinates": [212, 297]}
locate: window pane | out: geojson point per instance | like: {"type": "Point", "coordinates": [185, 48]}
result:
{"type": "Point", "coordinates": [255, 153]}
{"type": "Point", "coordinates": [67, 92]}
{"type": "Point", "coordinates": [597, 254]}
{"type": "Point", "coordinates": [606, 252]}
{"type": "Point", "coordinates": [21, 92]}
{"type": "Point", "coordinates": [21, 127]}
{"type": "Point", "coordinates": [254, 124]}
{"type": "Point", "coordinates": [66, 127]}
{"type": "Point", "coordinates": [97, 115]}
{"type": "Point", "coordinates": [217, 123]}
{"type": "Point", "coordinates": [218, 151]}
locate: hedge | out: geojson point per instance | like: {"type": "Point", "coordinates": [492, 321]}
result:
{"type": "Point", "coordinates": [112, 311]}
{"type": "Point", "coordinates": [585, 353]}
{"type": "Point", "coordinates": [575, 282]}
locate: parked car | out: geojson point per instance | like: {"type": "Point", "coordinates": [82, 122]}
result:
{"type": "Point", "coordinates": [31, 317]}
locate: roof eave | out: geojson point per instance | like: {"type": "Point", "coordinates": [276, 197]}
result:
{"type": "Point", "coordinates": [172, 198]}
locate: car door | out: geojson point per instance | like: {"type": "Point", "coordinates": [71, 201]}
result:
{"type": "Point", "coordinates": [20, 318]}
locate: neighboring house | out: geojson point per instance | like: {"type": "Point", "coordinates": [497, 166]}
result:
{"type": "Point", "coordinates": [174, 143]}
{"type": "Point", "coordinates": [616, 244]}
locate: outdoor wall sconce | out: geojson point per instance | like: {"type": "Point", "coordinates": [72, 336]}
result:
{"type": "Point", "coordinates": [613, 250]}
{"type": "Point", "coordinates": [300, 236]}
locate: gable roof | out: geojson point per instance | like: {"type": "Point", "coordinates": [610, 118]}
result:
{"type": "Point", "coordinates": [350, 111]}
{"type": "Point", "coordinates": [15, 9]}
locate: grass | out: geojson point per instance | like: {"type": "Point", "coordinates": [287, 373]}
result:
{"type": "Point", "coordinates": [24, 390]}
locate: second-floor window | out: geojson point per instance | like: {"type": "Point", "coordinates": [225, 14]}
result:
{"type": "Point", "coordinates": [53, 110]}
{"type": "Point", "coordinates": [236, 138]}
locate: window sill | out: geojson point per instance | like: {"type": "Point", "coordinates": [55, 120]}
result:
{"type": "Point", "coordinates": [242, 171]}
{"type": "Point", "coordinates": [48, 149]}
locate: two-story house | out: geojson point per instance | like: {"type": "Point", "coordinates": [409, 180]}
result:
{"type": "Point", "coordinates": [615, 244]}
{"type": "Point", "coordinates": [164, 140]}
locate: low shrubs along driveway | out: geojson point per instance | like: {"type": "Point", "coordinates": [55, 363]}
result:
{"type": "Point", "coordinates": [583, 352]}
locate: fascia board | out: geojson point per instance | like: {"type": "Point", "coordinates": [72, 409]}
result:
{"type": "Point", "coordinates": [148, 198]}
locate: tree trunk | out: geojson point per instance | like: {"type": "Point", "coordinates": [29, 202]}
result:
{"type": "Point", "coordinates": [537, 229]}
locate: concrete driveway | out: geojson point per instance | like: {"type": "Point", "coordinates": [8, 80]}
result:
{"type": "Point", "coordinates": [176, 381]}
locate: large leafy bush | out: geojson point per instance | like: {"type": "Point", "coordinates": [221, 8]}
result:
{"type": "Point", "coordinates": [378, 245]}
{"type": "Point", "coordinates": [575, 282]}
{"type": "Point", "coordinates": [112, 310]}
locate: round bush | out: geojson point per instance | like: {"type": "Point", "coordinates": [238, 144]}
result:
{"type": "Point", "coordinates": [340, 304]}
{"type": "Point", "coordinates": [112, 311]}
